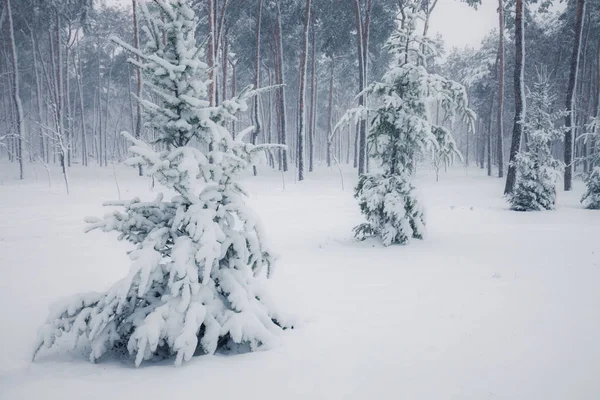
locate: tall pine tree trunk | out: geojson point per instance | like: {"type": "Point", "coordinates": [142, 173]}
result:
{"type": "Point", "coordinates": [257, 124]}
{"type": "Point", "coordinates": [313, 100]}
{"type": "Point", "coordinates": [211, 50]}
{"type": "Point", "coordinates": [489, 138]}
{"type": "Point", "coordinates": [570, 103]}
{"type": "Point", "coordinates": [302, 94]}
{"type": "Point", "coordinates": [362, 42]}
{"type": "Point", "coordinates": [330, 116]}
{"type": "Point", "coordinates": [501, 68]}
{"type": "Point", "coordinates": [481, 144]}
{"type": "Point", "coordinates": [15, 86]}
{"type": "Point", "coordinates": [225, 57]}
{"type": "Point", "coordinates": [519, 98]}
{"type": "Point", "coordinates": [84, 155]}
{"type": "Point", "coordinates": [281, 90]}
{"type": "Point", "coordinates": [233, 93]}
{"type": "Point", "coordinates": [596, 106]}
{"type": "Point", "coordinates": [67, 95]}
{"type": "Point", "coordinates": [583, 111]}
{"type": "Point", "coordinates": [60, 103]}
{"type": "Point", "coordinates": [138, 74]}
{"type": "Point", "coordinates": [468, 130]}
{"type": "Point", "coordinates": [100, 120]}
{"type": "Point", "coordinates": [38, 93]}
{"type": "Point", "coordinates": [108, 85]}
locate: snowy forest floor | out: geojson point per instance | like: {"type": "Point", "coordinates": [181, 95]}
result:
{"type": "Point", "coordinates": [493, 304]}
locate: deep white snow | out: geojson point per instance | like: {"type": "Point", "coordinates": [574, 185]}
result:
{"type": "Point", "coordinates": [493, 304]}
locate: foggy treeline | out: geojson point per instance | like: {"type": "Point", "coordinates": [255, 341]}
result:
{"type": "Point", "coordinates": [73, 90]}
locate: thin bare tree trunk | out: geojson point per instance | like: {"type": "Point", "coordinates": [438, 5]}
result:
{"type": "Point", "coordinates": [362, 38]}
{"type": "Point", "coordinates": [224, 59]}
{"type": "Point", "coordinates": [131, 99]}
{"type": "Point", "coordinates": [278, 110]}
{"type": "Point", "coordinates": [365, 47]}
{"type": "Point", "coordinates": [489, 139]}
{"type": "Point", "coordinates": [348, 150]}
{"type": "Point", "coordinates": [570, 103]}
{"type": "Point", "coordinates": [138, 89]}
{"type": "Point", "coordinates": [67, 95]}
{"type": "Point", "coordinates": [101, 150]}
{"type": "Point", "coordinates": [281, 91]}
{"type": "Point", "coordinates": [60, 103]}
{"type": "Point", "coordinates": [330, 117]}
{"type": "Point", "coordinates": [467, 130]}
{"type": "Point", "coordinates": [583, 113]}
{"type": "Point", "coordinates": [596, 106]}
{"type": "Point", "coordinates": [84, 155]}
{"type": "Point", "coordinates": [211, 50]}
{"type": "Point", "coordinates": [257, 122]}
{"type": "Point", "coordinates": [108, 84]}
{"type": "Point", "coordinates": [501, 68]}
{"type": "Point", "coordinates": [429, 10]}
{"type": "Point", "coordinates": [270, 120]}
{"type": "Point", "coordinates": [313, 99]}
{"type": "Point", "coordinates": [49, 77]}
{"type": "Point", "coordinates": [38, 94]}
{"type": "Point", "coordinates": [233, 92]}
{"type": "Point", "coordinates": [94, 126]}
{"type": "Point", "coordinates": [302, 94]}
{"type": "Point", "coordinates": [15, 86]}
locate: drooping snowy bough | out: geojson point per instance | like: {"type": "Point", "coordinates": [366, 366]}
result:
{"type": "Point", "coordinates": [194, 285]}
{"type": "Point", "coordinates": [402, 131]}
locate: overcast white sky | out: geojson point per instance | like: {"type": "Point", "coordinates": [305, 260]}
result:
{"type": "Point", "coordinates": [459, 24]}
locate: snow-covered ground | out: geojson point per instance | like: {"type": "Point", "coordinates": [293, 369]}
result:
{"type": "Point", "coordinates": [493, 304]}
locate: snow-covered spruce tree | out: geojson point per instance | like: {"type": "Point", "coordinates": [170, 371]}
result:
{"type": "Point", "coordinates": [402, 130]}
{"type": "Point", "coordinates": [537, 170]}
{"type": "Point", "coordinates": [591, 197]}
{"type": "Point", "coordinates": [194, 285]}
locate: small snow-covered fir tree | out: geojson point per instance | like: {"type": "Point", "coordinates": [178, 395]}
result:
{"type": "Point", "coordinates": [402, 130]}
{"type": "Point", "coordinates": [591, 197]}
{"type": "Point", "coordinates": [537, 169]}
{"type": "Point", "coordinates": [194, 285]}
